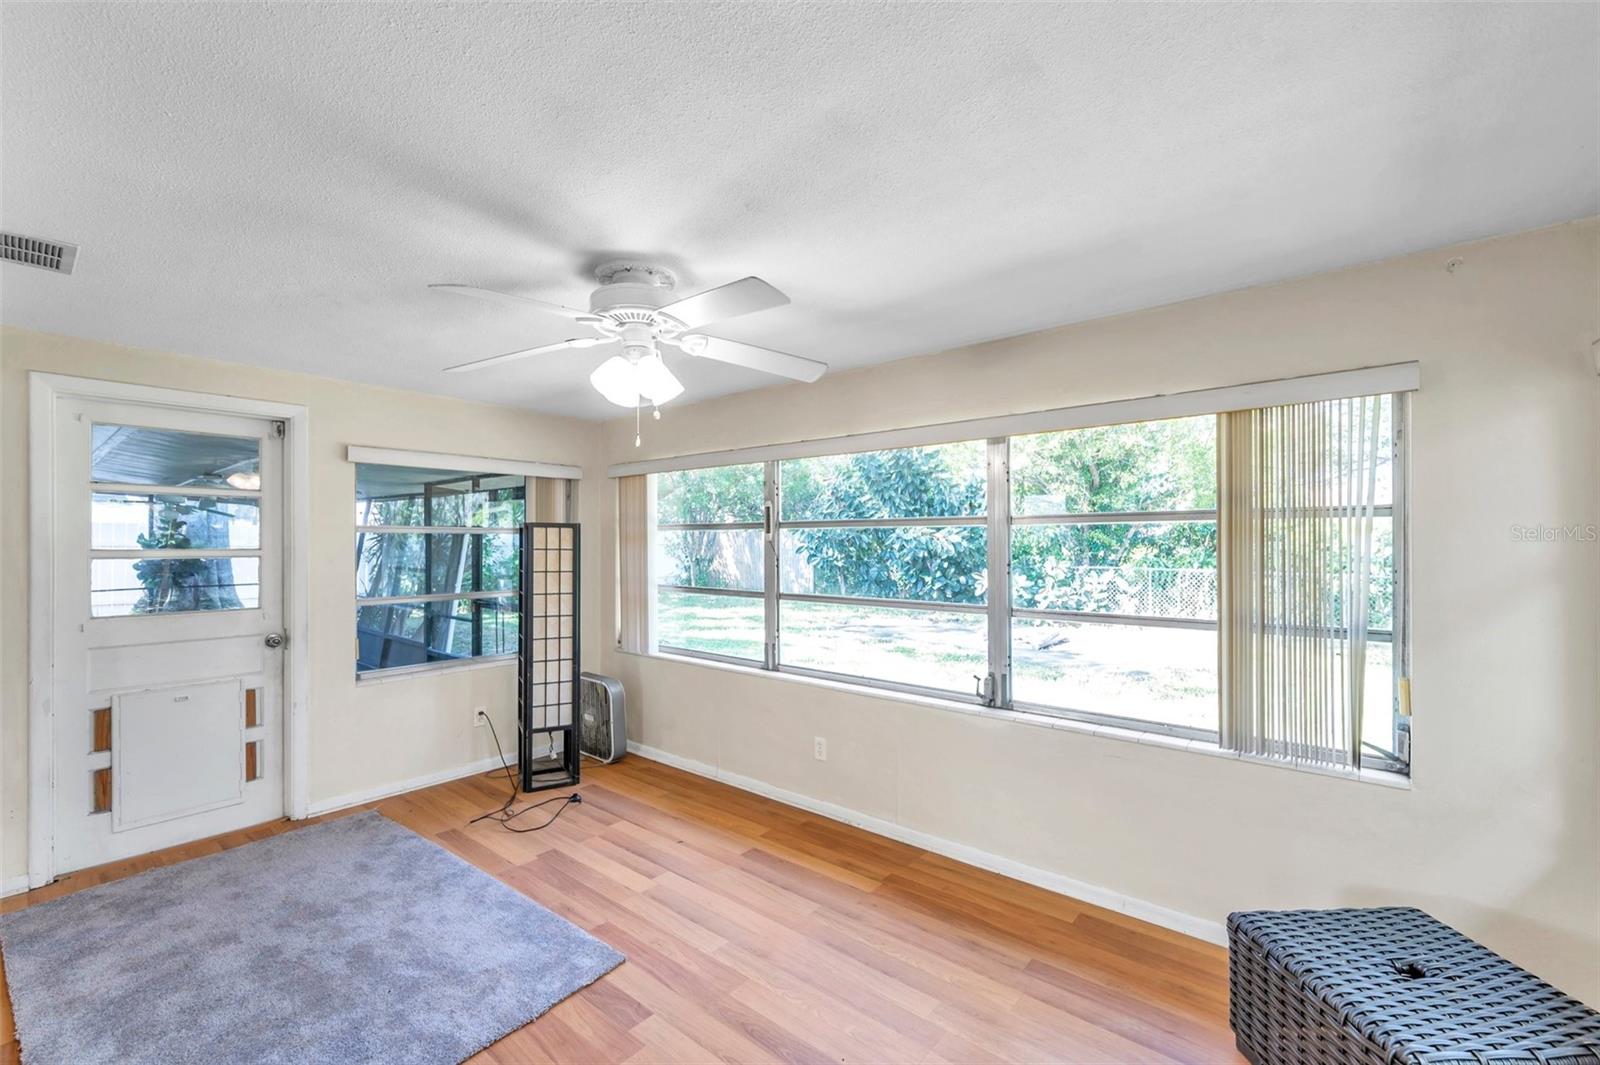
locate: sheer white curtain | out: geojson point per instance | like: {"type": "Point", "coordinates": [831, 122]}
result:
{"type": "Point", "coordinates": [1298, 490]}
{"type": "Point", "coordinates": [635, 518]}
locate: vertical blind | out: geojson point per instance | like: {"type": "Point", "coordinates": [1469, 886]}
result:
{"type": "Point", "coordinates": [1299, 489]}
{"type": "Point", "coordinates": [634, 589]}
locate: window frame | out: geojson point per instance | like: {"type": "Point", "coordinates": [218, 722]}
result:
{"type": "Point", "coordinates": [777, 525]}
{"type": "Point", "coordinates": [1398, 636]}
{"type": "Point", "coordinates": [1120, 517]}
{"type": "Point", "coordinates": [998, 606]}
{"type": "Point", "coordinates": [656, 587]}
{"type": "Point", "coordinates": [475, 535]}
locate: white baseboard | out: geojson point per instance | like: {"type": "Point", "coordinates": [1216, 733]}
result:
{"type": "Point", "coordinates": [384, 791]}
{"type": "Point", "coordinates": [1188, 924]}
{"type": "Point", "coordinates": [14, 886]}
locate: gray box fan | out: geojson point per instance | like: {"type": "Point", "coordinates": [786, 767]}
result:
{"type": "Point", "coordinates": [602, 725]}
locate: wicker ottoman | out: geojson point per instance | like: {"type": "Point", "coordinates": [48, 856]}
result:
{"type": "Point", "coordinates": [1391, 987]}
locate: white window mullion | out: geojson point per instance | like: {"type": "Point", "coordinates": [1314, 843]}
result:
{"type": "Point", "coordinates": [441, 530]}
{"type": "Point", "coordinates": [1400, 632]}
{"type": "Point", "coordinates": [136, 553]}
{"type": "Point", "coordinates": [998, 593]}
{"type": "Point", "coordinates": [771, 492]}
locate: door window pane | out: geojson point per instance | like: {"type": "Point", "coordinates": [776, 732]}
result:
{"type": "Point", "coordinates": [409, 634]}
{"type": "Point", "coordinates": [715, 624]}
{"type": "Point", "coordinates": [1156, 673]}
{"type": "Point", "coordinates": [127, 520]}
{"type": "Point", "coordinates": [926, 648]}
{"type": "Point", "coordinates": [1164, 569]}
{"type": "Point", "coordinates": [710, 558]}
{"type": "Point", "coordinates": [119, 587]}
{"type": "Point", "coordinates": [131, 454]}
{"type": "Point", "coordinates": [936, 564]}
{"type": "Point", "coordinates": [946, 481]}
{"type": "Point", "coordinates": [719, 495]}
{"type": "Point", "coordinates": [1141, 466]}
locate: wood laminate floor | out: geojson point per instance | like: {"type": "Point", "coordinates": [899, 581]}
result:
{"type": "Point", "coordinates": [757, 932]}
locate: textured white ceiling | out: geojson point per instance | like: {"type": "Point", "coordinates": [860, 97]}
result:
{"type": "Point", "coordinates": [276, 184]}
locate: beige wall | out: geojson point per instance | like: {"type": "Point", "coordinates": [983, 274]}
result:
{"type": "Point", "coordinates": [362, 736]}
{"type": "Point", "coordinates": [1498, 833]}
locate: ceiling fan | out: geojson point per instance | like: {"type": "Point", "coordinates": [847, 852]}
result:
{"type": "Point", "coordinates": [634, 307]}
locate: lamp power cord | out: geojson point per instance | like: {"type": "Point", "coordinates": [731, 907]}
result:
{"type": "Point", "coordinates": [506, 813]}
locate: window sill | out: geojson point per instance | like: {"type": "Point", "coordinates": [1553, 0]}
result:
{"type": "Point", "coordinates": [430, 669]}
{"type": "Point", "coordinates": [1380, 777]}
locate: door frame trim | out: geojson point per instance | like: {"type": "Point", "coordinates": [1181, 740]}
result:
{"type": "Point", "coordinates": [44, 389]}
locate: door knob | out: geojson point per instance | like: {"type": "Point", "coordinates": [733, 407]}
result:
{"type": "Point", "coordinates": [274, 640]}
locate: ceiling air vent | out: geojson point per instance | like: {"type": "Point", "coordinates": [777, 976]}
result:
{"type": "Point", "coordinates": [34, 251]}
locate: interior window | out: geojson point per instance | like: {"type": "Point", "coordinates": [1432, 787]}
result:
{"type": "Point", "coordinates": [438, 565]}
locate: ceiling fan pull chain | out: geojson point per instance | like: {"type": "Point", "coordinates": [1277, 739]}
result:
{"type": "Point", "coordinates": [636, 408]}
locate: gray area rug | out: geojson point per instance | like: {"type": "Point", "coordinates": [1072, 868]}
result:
{"type": "Point", "coordinates": [351, 941]}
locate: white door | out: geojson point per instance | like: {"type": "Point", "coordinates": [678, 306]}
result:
{"type": "Point", "coordinates": [168, 585]}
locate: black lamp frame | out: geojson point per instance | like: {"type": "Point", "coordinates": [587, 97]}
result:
{"type": "Point", "coordinates": [542, 774]}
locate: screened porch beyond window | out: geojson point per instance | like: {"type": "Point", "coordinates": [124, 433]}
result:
{"type": "Point", "coordinates": [437, 565]}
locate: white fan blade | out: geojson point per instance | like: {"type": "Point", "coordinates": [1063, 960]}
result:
{"type": "Point", "coordinates": [505, 297]}
{"type": "Point", "coordinates": [766, 360]}
{"type": "Point", "coordinates": [727, 301]}
{"type": "Point", "coordinates": [513, 356]}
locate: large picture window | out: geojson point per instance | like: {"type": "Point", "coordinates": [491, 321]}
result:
{"type": "Point", "coordinates": [437, 565]}
{"type": "Point", "coordinates": [1077, 573]}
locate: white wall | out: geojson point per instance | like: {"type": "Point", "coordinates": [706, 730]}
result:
{"type": "Point", "coordinates": [363, 736]}
{"type": "Point", "coordinates": [1498, 833]}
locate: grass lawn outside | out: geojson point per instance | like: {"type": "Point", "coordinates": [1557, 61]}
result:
{"type": "Point", "coordinates": [1152, 674]}
{"type": "Point", "coordinates": [1144, 673]}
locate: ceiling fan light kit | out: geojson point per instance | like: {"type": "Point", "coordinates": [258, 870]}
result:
{"type": "Point", "coordinates": [634, 307]}
{"type": "Point", "coordinates": [632, 383]}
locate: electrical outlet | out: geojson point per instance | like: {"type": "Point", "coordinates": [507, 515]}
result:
{"type": "Point", "coordinates": [480, 716]}
{"type": "Point", "coordinates": [819, 748]}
